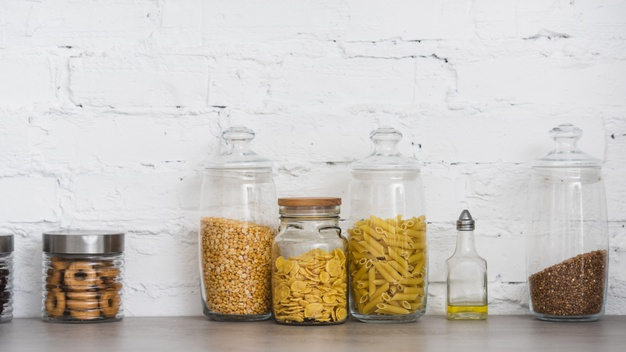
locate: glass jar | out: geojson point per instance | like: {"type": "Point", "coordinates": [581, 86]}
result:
{"type": "Point", "coordinates": [6, 278]}
{"type": "Point", "coordinates": [82, 276]}
{"type": "Point", "coordinates": [309, 270]}
{"type": "Point", "coordinates": [238, 223]}
{"type": "Point", "coordinates": [388, 262]}
{"type": "Point", "coordinates": [567, 240]}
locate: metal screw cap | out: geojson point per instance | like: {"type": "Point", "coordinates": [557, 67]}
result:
{"type": "Point", "coordinates": [465, 222]}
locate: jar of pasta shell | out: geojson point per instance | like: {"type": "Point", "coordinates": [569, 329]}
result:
{"type": "Point", "coordinates": [6, 278]}
{"type": "Point", "coordinates": [388, 262]}
{"type": "Point", "coordinates": [82, 276]}
{"type": "Point", "coordinates": [309, 269]}
{"type": "Point", "coordinates": [237, 225]}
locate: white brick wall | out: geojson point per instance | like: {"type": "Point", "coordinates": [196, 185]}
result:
{"type": "Point", "coordinates": [109, 108]}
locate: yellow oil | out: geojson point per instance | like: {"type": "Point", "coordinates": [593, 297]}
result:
{"type": "Point", "coordinates": [467, 312]}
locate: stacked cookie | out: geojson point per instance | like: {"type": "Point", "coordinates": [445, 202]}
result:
{"type": "Point", "coordinates": [5, 292]}
{"type": "Point", "coordinates": [82, 289]}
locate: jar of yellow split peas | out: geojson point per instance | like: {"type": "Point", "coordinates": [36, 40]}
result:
{"type": "Point", "coordinates": [237, 225]}
{"type": "Point", "coordinates": [388, 264]}
{"type": "Point", "coordinates": [309, 269]}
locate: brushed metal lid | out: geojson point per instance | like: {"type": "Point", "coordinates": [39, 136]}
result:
{"type": "Point", "coordinates": [6, 244]}
{"type": "Point", "coordinates": [465, 221]}
{"type": "Point", "coordinates": [83, 242]}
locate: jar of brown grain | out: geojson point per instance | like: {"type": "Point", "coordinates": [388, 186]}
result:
{"type": "Point", "coordinates": [567, 239]}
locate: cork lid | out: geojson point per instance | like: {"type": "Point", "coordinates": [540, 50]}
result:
{"type": "Point", "coordinates": [309, 207]}
{"type": "Point", "coordinates": [309, 202]}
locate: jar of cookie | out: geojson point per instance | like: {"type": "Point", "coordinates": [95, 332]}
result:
{"type": "Point", "coordinates": [6, 278]}
{"type": "Point", "coordinates": [82, 276]}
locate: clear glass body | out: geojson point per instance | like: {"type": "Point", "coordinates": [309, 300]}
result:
{"type": "Point", "coordinates": [238, 223]}
{"type": "Point", "coordinates": [388, 261]}
{"type": "Point", "coordinates": [6, 287]}
{"type": "Point", "coordinates": [567, 241]}
{"type": "Point", "coordinates": [82, 288]}
{"type": "Point", "coordinates": [310, 268]}
{"type": "Point", "coordinates": [466, 281]}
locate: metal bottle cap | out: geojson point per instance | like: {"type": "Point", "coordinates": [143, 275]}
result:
{"type": "Point", "coordinates": [6, 244]}
{"type": "Point", "coordinates": [465, 222]}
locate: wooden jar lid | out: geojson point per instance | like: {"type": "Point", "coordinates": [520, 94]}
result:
{"type": "Point", "coordinates": [309, 202]}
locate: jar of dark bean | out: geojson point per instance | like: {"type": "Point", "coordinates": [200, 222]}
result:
{"type": "Point", "coordinates": [6, 278]}
{"type": "Point", "coordinates": [567, 240]}
{"type": "Point", "coordinates": [82, 276]}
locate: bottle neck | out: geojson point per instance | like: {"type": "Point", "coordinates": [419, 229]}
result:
{"type": "Point", "coordinates": [465, 243]}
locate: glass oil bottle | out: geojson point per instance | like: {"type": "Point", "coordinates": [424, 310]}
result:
{"type": "Point", "coordinates": [466, 276]}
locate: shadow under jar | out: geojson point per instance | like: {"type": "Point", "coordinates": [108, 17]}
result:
{"type": "Point", "coordinates": [82, 276]}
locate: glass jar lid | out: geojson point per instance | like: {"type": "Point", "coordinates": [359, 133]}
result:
{"type": "Point", "coordinates": [238, 155]}
{"type": "Point", "coordinates": [386, 155]}
{"type": "Point", "coordinates": [6, 244]}
{"type": "Point", "coordinates": [83, 242]}
{"type": "Point", "coordinates": [566, 152]}
{"type": "Point", "coordinates": [309, 206]}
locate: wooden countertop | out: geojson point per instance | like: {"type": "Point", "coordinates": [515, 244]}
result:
{"type": "Point", "coordinates": [430, 333]}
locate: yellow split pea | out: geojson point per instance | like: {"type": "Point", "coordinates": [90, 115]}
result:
{"type": "Point", "coordinates": [311, 288]}
{"type": "Point", "coordinates": [236, 266]}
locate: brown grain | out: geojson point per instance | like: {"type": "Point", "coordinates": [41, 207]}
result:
{"type": "Point", "coordinates": [574, 287]}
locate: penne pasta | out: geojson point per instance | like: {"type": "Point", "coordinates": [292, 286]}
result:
{"type": "Point", "coordinates": [388, 265]}
{"type": "Point", "coordinates": [389, 309]}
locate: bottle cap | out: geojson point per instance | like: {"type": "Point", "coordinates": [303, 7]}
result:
{"type": "Point", "coordinates": [465, 222]}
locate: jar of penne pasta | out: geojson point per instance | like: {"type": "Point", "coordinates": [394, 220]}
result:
{"type": "Point", "coordinates": [388, 261]}
{"type": "Point", "coordinates": [237, 225]}
{"type": "Point", "coordinates": [309, 269]}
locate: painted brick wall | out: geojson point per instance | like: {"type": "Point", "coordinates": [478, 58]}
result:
{"type": "Point", "coordinates": [108, 110]}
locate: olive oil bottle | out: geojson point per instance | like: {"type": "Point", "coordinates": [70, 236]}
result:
{"type": "Point", "coordinates": [466, 279]}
